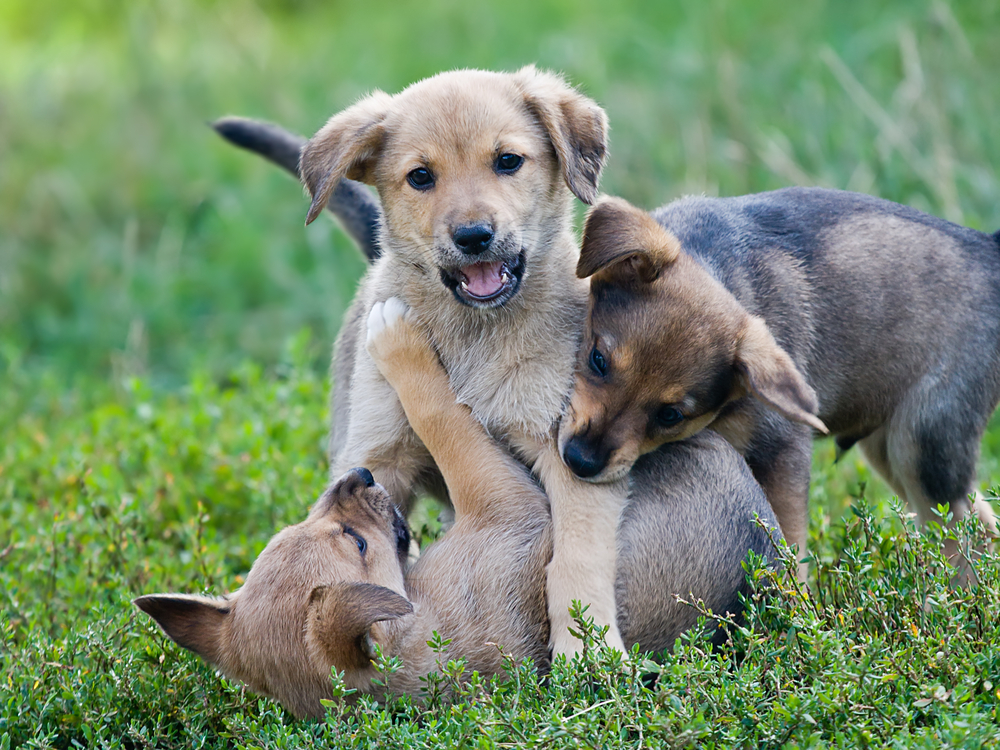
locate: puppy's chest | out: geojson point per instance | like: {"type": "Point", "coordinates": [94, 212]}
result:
{"type": "Point", "coordinates": [513, 390]}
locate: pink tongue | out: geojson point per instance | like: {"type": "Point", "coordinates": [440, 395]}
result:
{"type": "Point", "coordinates": [483, 279]}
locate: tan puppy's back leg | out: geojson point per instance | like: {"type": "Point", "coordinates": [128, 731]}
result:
{"type": "Point", "coordinates": [481, 478]}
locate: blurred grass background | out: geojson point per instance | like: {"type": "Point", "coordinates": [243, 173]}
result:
{"type": "Point", "coordinates": [133, 241]}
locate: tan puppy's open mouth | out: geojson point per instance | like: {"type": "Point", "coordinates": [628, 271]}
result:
{"type": "Point", "coordinates": [487, 283]}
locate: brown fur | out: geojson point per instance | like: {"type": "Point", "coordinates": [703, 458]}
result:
{"type": "Point", "coordinates": [313, 602]}
{"type": "Point", "coordinates": [510, 359]}
{"type": "Point", "coordinates": [819, 266]}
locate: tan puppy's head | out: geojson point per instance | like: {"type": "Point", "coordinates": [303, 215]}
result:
{"type": "Point", "coordinates": [666, 346]}
{"type": "Point", "coordinates": [472, 168]}
{"type": "Point", "coordinates": [318, 597]}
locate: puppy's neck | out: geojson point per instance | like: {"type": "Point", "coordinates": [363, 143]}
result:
{"type": "Point", "coordinates": [512, 365]}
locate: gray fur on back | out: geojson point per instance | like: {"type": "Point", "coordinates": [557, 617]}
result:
{"type": "Point", "coordinates": [869, 297]}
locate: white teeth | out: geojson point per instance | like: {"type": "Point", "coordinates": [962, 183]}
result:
{"type": "Point", "coordinates": [505, 278]}
{"type": "Point", "coordinates": [464, 285]}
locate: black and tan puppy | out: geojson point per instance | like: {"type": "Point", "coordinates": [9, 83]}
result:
{"type": "Point", "coordinates": [325, 591]}
{"type": "Point", "coordinates": [771, 316]}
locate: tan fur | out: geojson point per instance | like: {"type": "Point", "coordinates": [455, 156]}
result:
{"type": "Point", "coordinates": [512, 363]}
{"type": "Point", "coordinates": [313, 602]}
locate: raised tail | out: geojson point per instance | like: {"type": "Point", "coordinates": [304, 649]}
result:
{"type": "Point", "coordinates": [352, 203]}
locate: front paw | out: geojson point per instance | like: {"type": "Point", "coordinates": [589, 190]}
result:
{"type": "Point", "coordinates": [394, 342]}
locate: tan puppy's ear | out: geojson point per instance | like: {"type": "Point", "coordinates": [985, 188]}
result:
{"type": "Point", "coordinates": [767, 372]}
{"type": "Point", "coordinates": [619, 236]}
{"type": "Point", "coordinates": [347, 146]}
{"type": "Point", "coordinates": [194, 622]}
{"type": "Point", "coordinates": [576, 125]}
{"type": "Point", "coordinates": [341, 615]}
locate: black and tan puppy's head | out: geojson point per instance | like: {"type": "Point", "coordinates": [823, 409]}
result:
{"type": "Point", "coordinates": [320, 595]}
{"type": "Point", "coordinates": [666, 347]}
{"type": "Point", "coordinates": [474, 170]}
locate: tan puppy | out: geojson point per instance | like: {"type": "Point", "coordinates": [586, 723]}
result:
{"type": "Point", "coordinates": [889, 316]}
{"type": "Point", "coordinates": [325, 591]}
{"type": "Point", "coordinates": [476, 173]}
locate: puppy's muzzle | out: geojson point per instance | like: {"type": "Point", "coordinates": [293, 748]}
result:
{"type": "Point", "coordinates": [354, 480]}
{"type": "Point", "coordinates": [585, 459]}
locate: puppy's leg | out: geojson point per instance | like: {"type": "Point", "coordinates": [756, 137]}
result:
{"type": "Point", "coordinates": [483, 481]}
{"type": "Point", "coordinates": [378, 435]}
{"type": "Point", "coordinates": [780, 456]}
{"type": "Point", "coordinates": [584, 550]}
{"type": "Point", "coordinates": [932, 454]}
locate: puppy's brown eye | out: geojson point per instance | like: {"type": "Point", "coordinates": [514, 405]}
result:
{"type": "Point", "coordinates": [420, 178]}
{"type": "Point", "coordinates": [668, 416]}
{"type": "Point", "coordinates": [508, 163]}
{"type": "Point", "coordinates": [597, 362]}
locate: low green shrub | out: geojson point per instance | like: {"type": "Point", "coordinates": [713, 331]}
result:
{"type": "Point", "coordinates": [134, 491]}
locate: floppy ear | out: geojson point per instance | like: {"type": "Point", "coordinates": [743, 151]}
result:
{"type": "Point", "coordinates": [616, 232]}
{"type": "Point", "coordinates": [194, 622]}
{"type": "Point", "coordinates": [576, 125]}
{"type": "Point", "coordinates": [341, 615]}
{"type": "Point", "coordinates": [346, 146]}
{"type": "Point", "coordinates": [770, 375]}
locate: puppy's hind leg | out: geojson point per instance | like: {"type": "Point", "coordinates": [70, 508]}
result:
{"type": "Point", "coordinates": [932, 451]}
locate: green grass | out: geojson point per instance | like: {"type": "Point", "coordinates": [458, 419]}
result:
{"type": "Point", "coordinates": [165, 320]}
{"type": "Point", "coordinates": [119, 493]}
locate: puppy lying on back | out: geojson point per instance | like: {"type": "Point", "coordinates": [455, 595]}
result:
{"type": "Point", "coordinates": [771, 316]}
{"type": "Point", "coordinates": [325, 591]}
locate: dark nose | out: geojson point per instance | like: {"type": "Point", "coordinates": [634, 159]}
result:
{"type": "Point", "coordinates": [585, 460]}
{"type": "Point", "coordinates": [365, 476]}
{"type": "Point", "coordinates": [473, 239]}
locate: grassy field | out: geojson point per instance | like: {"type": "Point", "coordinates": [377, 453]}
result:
{"type": "Point", "coordinates": [165, 321]}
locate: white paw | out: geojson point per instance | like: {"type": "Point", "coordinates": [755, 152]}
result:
{"type": "Point", "coordinates": [384, 316]}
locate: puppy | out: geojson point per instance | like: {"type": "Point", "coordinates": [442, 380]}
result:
{"type": "Point", "coordinates": [769, 317]}
{"type": "Point", "coordinates": [476, 172]}
{"type": "Point", "coordinates": [323, 593]}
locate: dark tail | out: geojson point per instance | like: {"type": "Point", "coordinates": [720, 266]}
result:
{"type": "Point", "coordinates": [358, 210]}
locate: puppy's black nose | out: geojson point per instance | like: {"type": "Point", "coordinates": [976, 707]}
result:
{"type": "Point", "coordinates": [365, 476]}
{"type": "Point", "coordinates": [473, 239]}
{"type": "Point", "coordinates": [583, 459]}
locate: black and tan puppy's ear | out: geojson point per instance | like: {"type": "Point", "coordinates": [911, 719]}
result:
{"type": "Point", "coordinates": [347, 146]}
{"type": "Point", "coordinates": [340, 618]}
{"type": "Point", "coordinates": [194, 622]}
{"type": "Point", "coordinates": [576, 126]}
{"type": "Point", "coordinates": [618, 237]}
{"type": "Point", "coordinates": [769, 374]}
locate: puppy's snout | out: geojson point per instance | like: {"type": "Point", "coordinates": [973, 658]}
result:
{"type": "Point", "coordinates": [366, 476]}
{"type": "Point", "coordinates": [354, 480]}
{"type": "Point", "coordinates": [584, 459]}
{"type": "Point", "coordinates": [473, 239]}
